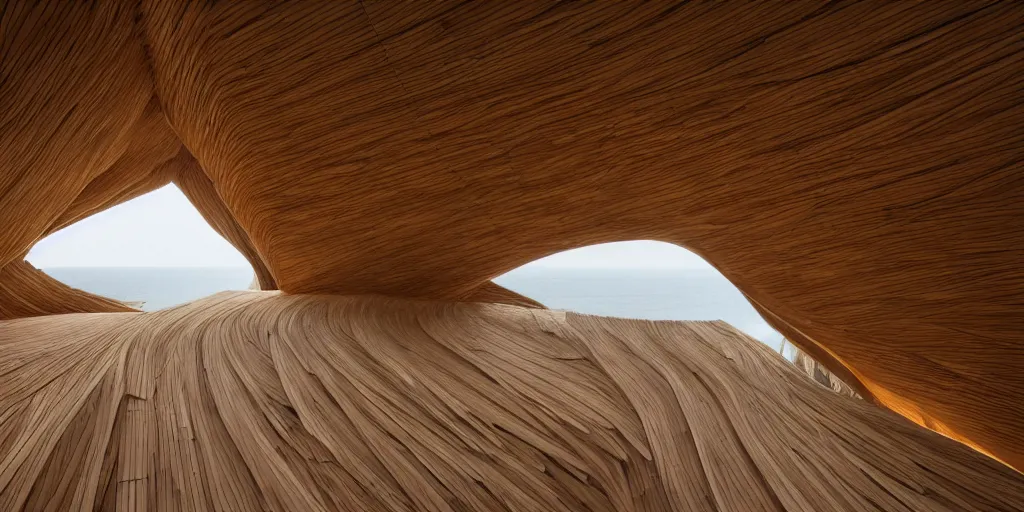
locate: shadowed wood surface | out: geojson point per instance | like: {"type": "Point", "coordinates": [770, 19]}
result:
{"type": "Point", "coordinates": [74, 87]}
{"type": "Point", "coordinates": [254, 400]}
{"type": "Point", "coordinates": [854, 168]}
{"type": "Point", "coordinates": [817, 352]}
{"type": "Point", "coordinates": [822, 375]}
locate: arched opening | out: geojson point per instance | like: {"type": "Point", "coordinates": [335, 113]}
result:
{"type": "Point", "coordinates": [640, 279]}
{"type": "Point", "coordinates": [155, 249]}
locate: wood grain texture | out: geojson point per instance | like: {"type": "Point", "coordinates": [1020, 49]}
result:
{"type": "Point", "coordinates": [73, 83]}
{"type": "Point", "coordinates": [817, 352]}
{"type": "Point", "coordinates": [196, 186]}
{"type": "Point", "coordinates": [26, 291]}
{"type": "Point", "coordinates": [148, 163]}
{"type": "Point", "coordinates": [854, 168]}
{"type": "Point", "coordinates": [821, 374]}
{"type": "Point", "coordinates": [867, 190]}
{"type": "Point", "coordinates": [255, 400]}
{"type": "Point", "coordinates": [497, 294]}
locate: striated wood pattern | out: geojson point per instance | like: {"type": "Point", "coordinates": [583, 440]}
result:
{"type": "Point", "coordinates": [867, 190]}
{"type": "Point", "coordinates": [196, 186]}
{"type": "Point", "coordinates": [148, 163]}
{"type": "Point", "coordinates": [495, 293]}
{"type": "Point", "coordinates": [74, 83]}
{"type": "Point", "coordinates": [817, 353]}
{"type": "Point", "coordinates": [854, 168]}
{"type": "Point", "coordinates": [26, 291]}
{"type": "Point", "coordinates": [822, 375]}
{"type": "Point", "coordinates": [254, 400]}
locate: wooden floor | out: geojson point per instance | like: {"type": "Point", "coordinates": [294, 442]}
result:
{"type": "Point", "coordinates": [256, 400]}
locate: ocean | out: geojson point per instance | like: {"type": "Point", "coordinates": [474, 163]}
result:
{"type": "Point", "coordinates": [653, 294]}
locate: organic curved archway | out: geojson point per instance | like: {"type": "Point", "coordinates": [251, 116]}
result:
{"type": "Point", "coordinates": [155, 249]}
{"type": "Point", "coordinates": [865, 193]}
{"type": "Point", "coordinates": [738, 308]}
{"type": "Point", "coordinates": [642, 279]}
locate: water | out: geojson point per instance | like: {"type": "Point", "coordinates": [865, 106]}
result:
{"type": "Point", "coordinates": [654, 294]}
{"type": "Point", "coordinates": [159, 287]}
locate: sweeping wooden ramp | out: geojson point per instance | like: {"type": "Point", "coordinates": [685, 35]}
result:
{"type": "Point", "coordinates": [254, 400]}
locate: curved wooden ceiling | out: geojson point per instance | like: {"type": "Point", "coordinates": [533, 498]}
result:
{"type": "Point", "coordinates": [855, 169]}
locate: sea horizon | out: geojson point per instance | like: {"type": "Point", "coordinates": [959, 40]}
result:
{"type": "Point", "coordinates": [664, 293]}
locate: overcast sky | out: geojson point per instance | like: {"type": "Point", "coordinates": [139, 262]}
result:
{"type": "Point", "coordinates": [162, 229]}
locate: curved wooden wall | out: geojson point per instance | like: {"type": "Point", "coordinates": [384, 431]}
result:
{"type": "Point", "coordinates": [259, 401]}
{"type": "Point", "coordinates": [192, 181]}
{"type": "Point", "coordinates": [855, 169]}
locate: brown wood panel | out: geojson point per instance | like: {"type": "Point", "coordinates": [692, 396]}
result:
{"type": "Point", "coordinates": [497, 294]}
{"type": "Point", "coordinates": [259, 400]}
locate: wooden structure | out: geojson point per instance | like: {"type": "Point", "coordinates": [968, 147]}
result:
{"type": "Point", "coordinates": [255, 400]}
{"type": "Point", "coordinates": [855, 169]}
